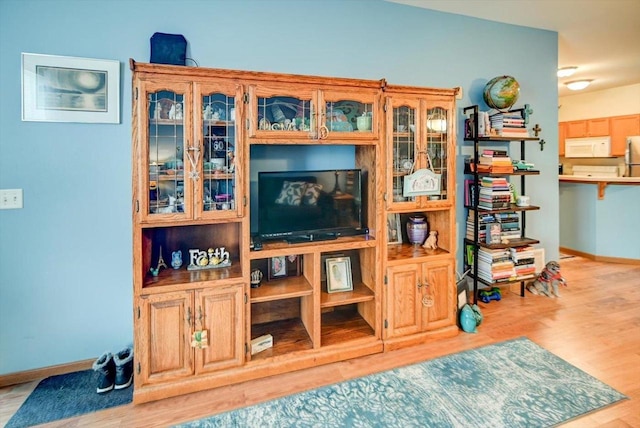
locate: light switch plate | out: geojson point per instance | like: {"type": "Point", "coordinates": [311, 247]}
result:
{"type": "Point", "coordinates": [10, 199]}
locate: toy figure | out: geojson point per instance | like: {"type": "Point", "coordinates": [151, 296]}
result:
{"type": "Point", "coordinates": [432, 241]}
{"type": "Point", "coordinates": [208, 113]}
{"type": "Point", "coordinates": [176, 259]}
{"type": "Point", "coordinates": [547, 282]}
{"type": "Point", "coordinates": [179, 113]}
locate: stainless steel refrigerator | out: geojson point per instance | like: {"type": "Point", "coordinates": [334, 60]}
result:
{"type": "Point", "coordinates": [632, 156]}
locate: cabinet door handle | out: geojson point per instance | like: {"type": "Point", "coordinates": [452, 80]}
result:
{"type": "Point", "coordinates": [323, 131]}
{"type": "Point", "coordinates": [189, 316]}
{"type": "Point", "coordinates": [194, 158]}
{"type": "Point", "coordinates": [200, 316]}
{"type": "Point", "coordinates": [419, 285]}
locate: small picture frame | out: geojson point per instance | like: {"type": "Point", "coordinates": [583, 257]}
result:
{"type": "Point", "coordinates": [339, 276]}
{"type": "Point", "coordinates": [394, 229]}
{"type": "Point", "coordinates": [277, 267]}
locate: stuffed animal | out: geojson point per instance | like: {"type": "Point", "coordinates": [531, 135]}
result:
{"type": "Point", "coordinates": [547, 282]}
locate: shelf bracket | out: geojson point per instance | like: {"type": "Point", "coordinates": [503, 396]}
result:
{"type": "Point", "coordinates": [601, 186]}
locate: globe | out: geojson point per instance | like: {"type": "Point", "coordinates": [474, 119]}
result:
{"type": "Point", "coordinates": [501, 92]}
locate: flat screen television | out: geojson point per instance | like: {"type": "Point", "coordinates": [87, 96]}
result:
{"type": "Point", "coordinates": [299, 206]}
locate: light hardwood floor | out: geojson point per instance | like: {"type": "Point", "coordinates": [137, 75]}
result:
{"type": "Point", "coordinates": [594, 326]}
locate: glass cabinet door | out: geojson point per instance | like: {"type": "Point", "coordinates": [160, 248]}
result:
{"type": "Point", "coordinates": [403, 135]}
{"type": "Point", "coordinates": [282, 113]}
{"type": "Point", "coordinates": [437, 144]}
{"type": "Point", "coordinates": [217, 186]}
{"type": "Point", "coordinates": [165, 152]}
{"type": "Point", "coordinates": [348, 115]}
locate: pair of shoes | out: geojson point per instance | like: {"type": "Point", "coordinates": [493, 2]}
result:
{"type": "Point", "coordinates": [116, 371]}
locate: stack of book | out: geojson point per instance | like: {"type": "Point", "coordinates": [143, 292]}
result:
{"type": "Point", "coordinates": [483, 220]}
{"type": "Point", "coordinates": [510, 225]}
{"type": "Point", "coordinates": [524, 261]}
{"type": "Point", "coordinates": [495, 161]}
{"type": "Point", "coordinates": [494, 193]}
{"type": "Point", "coordinates": [508, 124]}
{"type": "Point", "coordinates": [495, 265]}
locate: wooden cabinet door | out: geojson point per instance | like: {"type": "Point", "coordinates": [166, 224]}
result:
{"type": "Point", "coordinates": [576, 129]}
{"type": "Point", "coordinates": [437, 295]}
{"type": "Point", "coordinates": [403, 306]}
{"type": "Point", "coordinates": [621, 128]}
{"type": "Point", "coordinates": [562, 134]}
{"type": "Point", "coordinates": [163, 334]}
{"type": "Point", "coordinates": [598, 127]}
{"type": "Point", "coordinates": [220, 312]}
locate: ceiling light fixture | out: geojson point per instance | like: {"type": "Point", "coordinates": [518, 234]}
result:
{"type": "Point", "coordinates": [577, 85]}
{"type": "Point", "coordinates": [566, 71]}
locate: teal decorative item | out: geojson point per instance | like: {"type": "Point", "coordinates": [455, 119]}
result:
{"type": "Point", "coordinates": [468, 319]}
{"type": "Point", "coordinates": [176, 259]}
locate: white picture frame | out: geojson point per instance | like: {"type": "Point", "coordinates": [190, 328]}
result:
{"type": "Point", "coordinates": [339, 277]}
{"type": "Point", "coordinates": [70, 89]}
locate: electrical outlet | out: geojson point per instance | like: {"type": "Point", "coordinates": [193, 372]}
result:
{"type": "Point", "coordinates": [10, 199]}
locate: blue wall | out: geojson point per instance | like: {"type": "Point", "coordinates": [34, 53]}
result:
{"type": "Point", "coordinates": [65, 259]}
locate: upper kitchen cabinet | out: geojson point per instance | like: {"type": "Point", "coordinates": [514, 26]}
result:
{"type": "Point", "coordinates": [588, 128]}
{"type": "Point", "coordinates": [307, 112]}
{"type": "Point", "coordinates": [621, 128]}
{"type": "Point", "coordinates": [562, 134]}
{"type": "Point", "coordinates": [618, 127]}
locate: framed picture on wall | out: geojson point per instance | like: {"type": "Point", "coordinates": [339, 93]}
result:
{"type": "Point", "coordinates": [70, 89]}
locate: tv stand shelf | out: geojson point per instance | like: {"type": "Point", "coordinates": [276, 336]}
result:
{"type": "Point", "coordinates": [281, 289]}
{"type": "Point", "coordinates": [282, 248]}
{"type": "Point", "coordinates": [360, 293]}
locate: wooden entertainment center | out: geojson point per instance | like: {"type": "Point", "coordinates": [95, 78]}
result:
{"type": "Point", "coordinates": [193, 129]}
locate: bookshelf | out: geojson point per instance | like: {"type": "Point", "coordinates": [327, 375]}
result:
{"type": "Point", "coordinates": [498, 251]}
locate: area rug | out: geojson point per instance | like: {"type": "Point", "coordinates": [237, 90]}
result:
{"type": "Point", "coordinates": [64, 396]}
{"type": "Point", "coordinates": [510, 384]}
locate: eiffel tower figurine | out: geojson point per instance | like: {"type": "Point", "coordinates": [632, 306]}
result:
{"type": "Point", "coordinates": [161, 263]}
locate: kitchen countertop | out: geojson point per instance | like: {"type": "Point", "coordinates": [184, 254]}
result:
{"type": "Point", "coordinates": [602, 182]}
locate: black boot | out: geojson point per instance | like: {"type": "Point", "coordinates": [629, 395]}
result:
{"type": "Point", "coordinates": [124, 368]}
{"type": "Point", "coordinates": [107, 369]}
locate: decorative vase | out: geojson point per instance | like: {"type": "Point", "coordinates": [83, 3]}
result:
{"type": "Point", "coordinates": [417, 229]}
{"type": "Point", "coordinates": [363, 122]}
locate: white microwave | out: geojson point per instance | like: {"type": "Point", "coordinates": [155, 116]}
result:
{"type": "Point", "coordinates": [589, 147]}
